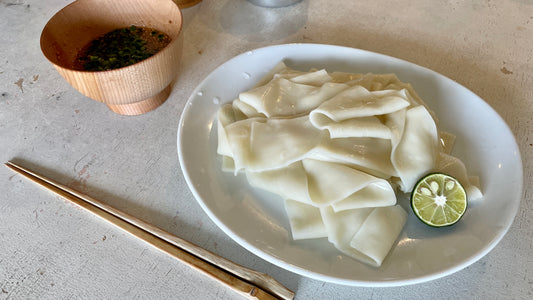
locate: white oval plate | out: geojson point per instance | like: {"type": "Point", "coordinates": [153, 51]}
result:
{"type": "Point", "coordinates": [256, 219]}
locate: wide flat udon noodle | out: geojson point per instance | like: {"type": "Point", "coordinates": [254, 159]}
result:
{"type": "Point", "coordinates": [354, 112]}
{"type": "Point", "coordinates": [372, 150]}
{"type": "Point", "coordinates": [286, 92]}
{"type": "Point", "coordinates": [415, 152]}
{"type": "Point", "coordinates": [357, 102]}
{"type": "Point", "coordinates": [305, 220]}
{"type": "Point", "coordinates": [260, 144]}
{"type": "Point", "coordinates": [283, 97]}
{"type": "Point", "coordinates": [357, 127]}
{"type": "Point", "coordinates": [329, 143]}
{"type": "Point", "coordinates": [345, 214]}
{"type": "Point", "coordinates": [366, 234]}
{"type": "Point", "coordinates": [309, 181]}
{"type": "Point", "coordinates": [378, 233]}
{"type": "Point", "coordinates": [371, 155]}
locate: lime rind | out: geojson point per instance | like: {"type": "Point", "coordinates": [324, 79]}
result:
{"type": "Point", "coordinates": [439, 200]}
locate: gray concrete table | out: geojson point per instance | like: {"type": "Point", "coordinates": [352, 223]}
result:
{"type": "Point", "coordinates": [50, 249]}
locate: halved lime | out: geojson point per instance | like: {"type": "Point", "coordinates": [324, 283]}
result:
{"type": "Point", "coordinates": [439, 200]}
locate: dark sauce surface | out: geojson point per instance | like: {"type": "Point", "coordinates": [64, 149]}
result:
{"type": "Point", "coordinates": [120, 48]}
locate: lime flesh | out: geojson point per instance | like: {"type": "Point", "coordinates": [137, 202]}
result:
{"type": "Point", "coordinates": [439, 200]}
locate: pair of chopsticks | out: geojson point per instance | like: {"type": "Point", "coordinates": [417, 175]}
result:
{"type": "Point", "coordinates": [248, 283]}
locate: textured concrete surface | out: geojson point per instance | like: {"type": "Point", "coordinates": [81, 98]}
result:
{"type": "Point", "coordinates": [50, 249]}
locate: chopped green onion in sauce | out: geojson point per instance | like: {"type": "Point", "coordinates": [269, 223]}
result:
{"type": "Point", "coordinates": [120, 48]}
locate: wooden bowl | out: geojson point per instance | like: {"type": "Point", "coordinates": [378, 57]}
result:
{"type": "Point", "coordinates": [130, 90]}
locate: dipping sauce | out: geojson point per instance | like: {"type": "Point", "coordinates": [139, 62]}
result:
{"type": "Point", "coordinates": [120, 48]}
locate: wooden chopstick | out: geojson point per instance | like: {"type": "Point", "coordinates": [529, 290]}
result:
{"type": "Point", "coordinates": [249, 283]}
